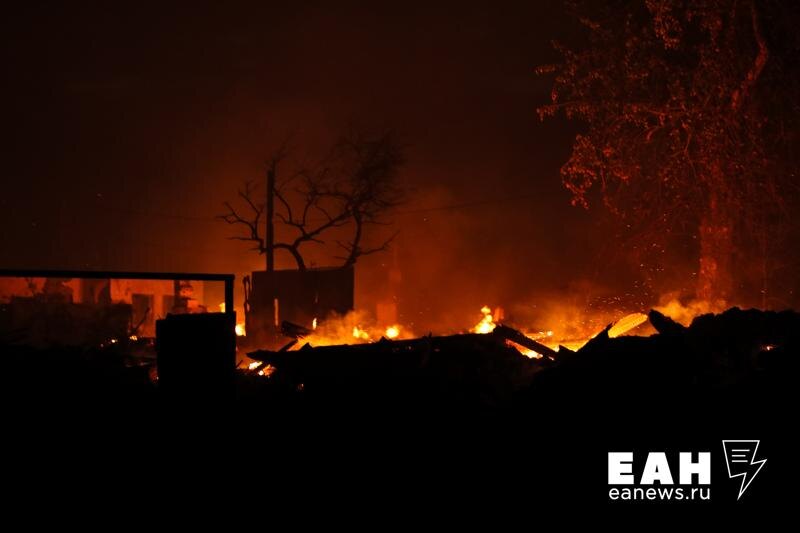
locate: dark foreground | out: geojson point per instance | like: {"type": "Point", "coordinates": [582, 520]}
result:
{"type": "Point", "coordinates": [472, 420]}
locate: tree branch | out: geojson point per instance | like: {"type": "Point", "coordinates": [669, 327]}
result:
{"type": "Point", "coordinates": [740, 94]}
{"type": "Point", "coordinates": [356, 183]}
{"type": "Point", "coordinates": [233, 217]}
{"type": "Point", "coordinates": [355, 253]}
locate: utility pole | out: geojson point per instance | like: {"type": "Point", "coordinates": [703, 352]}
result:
{"type": "Point", "coordinates": [270, 244]}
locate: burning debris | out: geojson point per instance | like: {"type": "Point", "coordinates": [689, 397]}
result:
{"type": "Point", "coordinates": [505, 366]}
{"type": "Point", "coordinates": [493, 360]}
{"type": "Point", "coordinates": [352, 328]}
{"type": "Point", "coordinates": [493, 364]}
{"type": "Point", "coordinates": [349, 330]}
{"type": "Point", "coordinates": [487, 364]}
{"type": "Point", "coordinates": [486, 325]}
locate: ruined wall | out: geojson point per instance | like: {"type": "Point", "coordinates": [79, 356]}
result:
{"type": "Point", "coordinates": [300, 296]}
{"type": "Point", "coordinates": [149, 300]}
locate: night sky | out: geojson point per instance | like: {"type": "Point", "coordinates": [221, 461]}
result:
{"type": "Point", "coordinates": [126, 127]}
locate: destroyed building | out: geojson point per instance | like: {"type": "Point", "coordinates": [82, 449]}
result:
{"type": "Point", "coordinates": [75, 310]}
{"type": "Point", "coordinates": [296, 296]}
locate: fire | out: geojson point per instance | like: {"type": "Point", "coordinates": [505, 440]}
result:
{"type": "Point", "coordinates": [239, 328]}
{"type": "Point", "coordinates": [486, 325]}
{"type": "Point", "coordinates": [540, 335]}
{"type": "Point", "coordinates": [261, 369]}
{"type": "Point", "coordinates": [626, 323]}
{"type": "Point", "coordinates": [618, 328]}
{"type": "Point", "coordinates": [570, 327]}
{"type": "Point", "coordinates": [266, 370]}
{"type": "Point", "coordinates": [359, 333]}
{"type": "Point", "coordinates": [359, 327]}
{"type": "Point", "coordinates": [356, 327]}
{"type": "Point", "coordinates": [549, 338]}
{"type": "Point", "coordinates": [685, 313]}
{"type": "Point", "coordinates": [528, 353]}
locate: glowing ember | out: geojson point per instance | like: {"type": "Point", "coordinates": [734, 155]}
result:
{"type": "Point", "coordinates": [359, 333]}
{"type": "Point", "coordinates": [356, 327]}
{"type": "Point", "coordinates": [627, 323]}
{"type": "Point", "coordinates": [359, 327]}
{"type": "Point", "coordinates": [620, 327]}
{"type": "Point", "coordinates": [529, 353]}
{"type": "Point", "coordinates": [261, 369]}
{"type": "Point", "coordinates": [486, 325]}
{"type": "Point", "coordinates": [540, 335]}
{"type": "Point", "coordinates": [684, 313]}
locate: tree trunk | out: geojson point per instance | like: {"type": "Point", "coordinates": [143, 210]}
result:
{"type": "Point", "coordinates": [715, 280]}
{"type": "Point", "coordinates": [270, 242]}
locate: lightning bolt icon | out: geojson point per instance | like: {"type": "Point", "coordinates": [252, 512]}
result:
{"type": "Point", "coordinates": [740, 458]}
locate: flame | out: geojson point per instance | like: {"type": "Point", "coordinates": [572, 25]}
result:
{"type": "Point", "coordinates": [359, 333]}
{"type": "Point", "coordinates": [685, 313]}
{"type": "Point", "coordinates": [486, 325]}
{"type": "Point", "coordinates": [619, 327]}
{"type": "Point", "coordinates": [267, 371]}
{"type": "Point", "coordinates": [222, 307]}
{"type": "Point", "coordinates": [240, 331]}
{"type": "Point", "coordinates": [356, 327]}
{"type": "Point", "coordinates": [540, 335]}
{"type": "Point", "coordinates": [527, 352]}
{"type": "Point", "coordinates": [626, 323]}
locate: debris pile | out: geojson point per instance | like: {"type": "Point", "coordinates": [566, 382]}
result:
{"type": "Point", "coordinates": [489, 367]}
{"type": "Point", "coordinates": [506, 368]}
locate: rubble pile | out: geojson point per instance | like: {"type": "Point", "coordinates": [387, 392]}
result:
{"type": "Point", "coordinates": [732, 351]}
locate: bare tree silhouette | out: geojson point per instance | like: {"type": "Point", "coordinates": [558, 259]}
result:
{"type": "Point", "coordinates": [354, 187]}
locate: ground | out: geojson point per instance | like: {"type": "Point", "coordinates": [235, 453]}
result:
{"type": "Point", "coordinates": [443, 427]}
